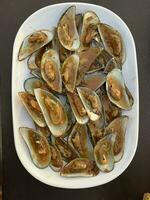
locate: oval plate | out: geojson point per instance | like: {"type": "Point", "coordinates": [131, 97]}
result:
{"type": "Point", "coordinates": [47, 18]}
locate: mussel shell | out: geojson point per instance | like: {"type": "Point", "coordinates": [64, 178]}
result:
{"type": "Point", "coordinates": [36, 73]}
{"type": "Point", "coordinates": [117, 90]}
{"type": "Point", "coordinates": [34, 61]}
{"type": "Point", "coordinates": [80, 142]}
{"type": "Point", "coordinates": [66, 151]}
{"type": "Point", "coordinates": [94, 80]}
{"type": "Point", "coordinates": [67, 30]}
{"type": "Point", "coordinates": [38, 147]}
{"type": "Point", "coordinates": [52, 57]}
{"type": "Point", "coordinates": [96, 130]}
{"type": "Point", "coordinates": [80, 167]}
{"type": "Point", "coordinates": [87, 57]}
{"type": "Point", "coordinates": [80, 119]}
{"type": "Point", "coordinates": [56, 129]}
{"type": "Point", "coordinates": [89, 29]}
{"type": "Point", "coordinates": [32, 83]}
{"type": "Point", "coordinates": [45, 132]}
{"type": "Point", "coordinates": [79, 19]}
{"type": "Point", "coordinates": [27, 49]}
{"type": "Point", "coordinates": [111, 111]}
{"type": "Point", "coordinates": [118, 127]}
{"type": "Point", "coordinates": [112, 41]}
{"type": "Point", "coordinates": [56, 160]}
{"type": "Point", "coordinates": [69, 71]}
{"type": "Point", "coordinates": [103, 153]}
{"type": "Point", "coordinates": [36, 116]}
{"type": "Point", "coordinates": [93, 115]}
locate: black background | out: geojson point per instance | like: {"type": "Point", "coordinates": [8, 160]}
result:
{"type": "Point", "coordinates": [18, 184]}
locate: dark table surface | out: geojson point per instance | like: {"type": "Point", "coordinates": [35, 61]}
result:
{"type": "Point", "coordinates": [18, 184]}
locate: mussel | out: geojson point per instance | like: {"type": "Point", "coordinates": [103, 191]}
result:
{"type": "Point", "coordinates": [67, 30]}
{"type": "Point", "coordinates": [50, 70]}
{"type": "Point", "coordinates": [112, 41]}
{"type": "Point", "coordinates": [78, 108]}
{"type": "Point", "coordinates": [69, 72]}
{"type": "Point", "coordinates": [32, 83]}
{"type": "Point", "coordinates": [80, 167]}
{"type": "Point", "coordinates": [53, 110]}
{"type": "Point", "coordinates": [103, 153]}
{"type": "Point", "coordinates": [96, 129]}
{"type": "Point", "coordinates": [111, 111]}
{"type": "Point", "coordinates": [33, 108]}
{"type": "Point", "coordinates": [66, 151]}
{"type": "Point", "coordinates": [56, 159]}
{"type": "Point", "coordinates": [79, 140]}
{"type": "Point", "coordinates": [91, 102]}
{"type": "Point", "coordinates": [117, 90]}
{"type": "Point", "coordinates": [87, 57]}
{"type": "Point", "coordinates": [89, 29]}
{"type": "Point", "coordinates": [56, 162]}
{"type": "Point", "coordinates": [38, 147]}
{"type": "Point", "coordinates": [33, 42]}
{"type": "Point", "coordinates": [118, 127]}
{"type": "Point", "coordinates": [94, 80]}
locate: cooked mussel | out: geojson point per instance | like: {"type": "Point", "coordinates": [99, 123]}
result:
{"type": "Point", "coordinates": [78, 108]}
{"type": "Point", "coordinates": [80, 167]}
{"type": "Point", "coordinates": [117, 90]}
{"type": "Point", "coordinates": [50, 70]}
{"type": "Point", "coordinates": [56, 159]}
{"type": "Point", "coordinates": [89, 29]}
{"type": "Point", "coordinates": [69, 72]}
{"type": "Point", "coordinates": [38, 147]}
{"type": "Point", "coordinates": [67, 30]}
{"type": "Point", "coordinates": [66, 151]}
{"type": "Point", "coordinates": [53, 111]}
{"type": "Point", "coordinates": [91, 102]}
{"type": "Point", "coordinates": [33, 42]}
{"type": "Point", "coordinates": [111, 111]}
{"type": "Point", "coordinates": [112, 41]}
{"type": "Point", "coordinates": [32, 83]}
{"type": "Point", "coordinates": [33, 108]}
{"type": "Point", "coordinates": [118, 127]}
{"type": "Point", "coordinates": [79, 140]}
{"type": "Point", "coordinates": [103, 153]}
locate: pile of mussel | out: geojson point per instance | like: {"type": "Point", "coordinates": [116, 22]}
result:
{"type": "Point", "coordinates": [76, 95]}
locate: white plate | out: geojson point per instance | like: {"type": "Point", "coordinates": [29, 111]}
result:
{"type": "Point", "coordinates": [47, 18]}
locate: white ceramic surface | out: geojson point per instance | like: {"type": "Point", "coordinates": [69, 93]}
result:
{"type": "Point", "coordinates": [47, 18]}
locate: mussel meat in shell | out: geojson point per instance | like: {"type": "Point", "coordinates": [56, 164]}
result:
{"type": "Point", "coordinates": [33, 42]}
{"type": "Point", "coordinates": [66, 151]}
{"type": "Point", "coordinates": [54, 112]}
{"type": "Point", "coordinates": [117, 90]}
{"type": "Point", "coordinates": [33, 108]}
{"type": "Point", "coordinates": [38, 147]}
{"type": "Point", "coordinates": [79, 140]}
{"type": "Point", "coordinates": [103, 153]}
{"type": "Point", "coordinates": [80, 167]}
{"type": "Point", "coordinates": [69, 72]}
{"type": "Point", "coordinates": [112, 41]}
{"type": "Point", "coordinates": [67, 30]}
{"type": "Point", "coordinates": [118, 127]}
{"type": "Point", "coordinates": [91, 102]}
{"type": "Point", "coordinates": [78, 108]}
